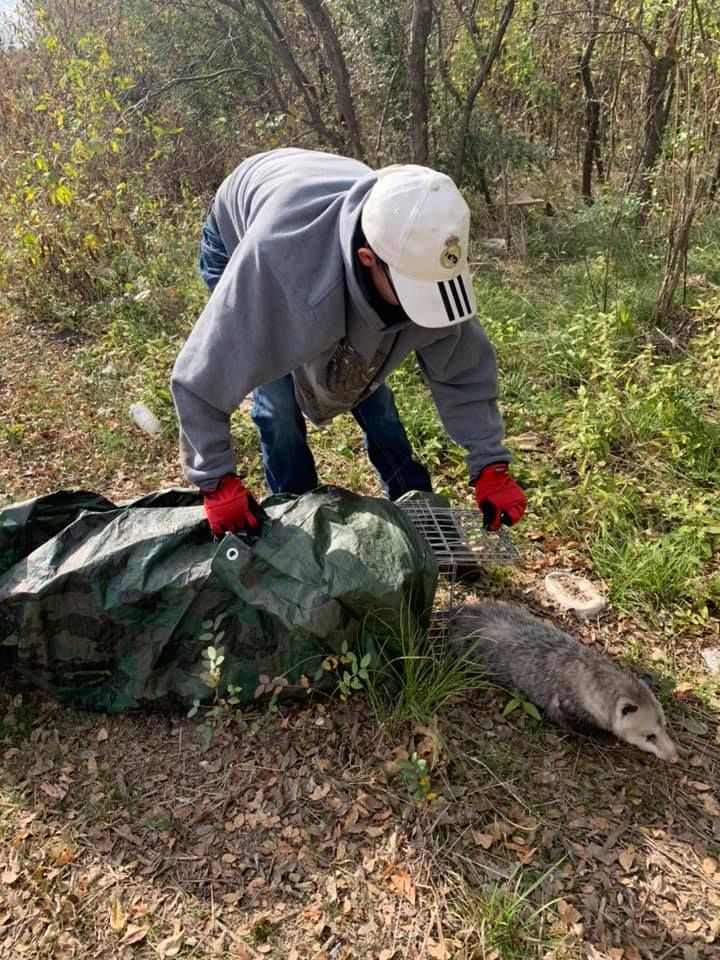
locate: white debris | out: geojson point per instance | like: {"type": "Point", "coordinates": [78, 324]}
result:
{"type": "Point", "coordinates": [145, 419]}
{"type": "Point", "coordinates": [711, 656]}
{"type": "Point", "coordinates": [574, 593]}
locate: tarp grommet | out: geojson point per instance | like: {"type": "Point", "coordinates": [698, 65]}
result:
{"type": "Point", "coordinates": [232, 553]}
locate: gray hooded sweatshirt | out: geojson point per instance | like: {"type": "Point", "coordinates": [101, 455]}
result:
{"type": "Point", "coordinates": [289, 301]}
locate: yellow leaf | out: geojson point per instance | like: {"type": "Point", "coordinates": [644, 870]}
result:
{"type": "Point", "coordinates": [118, 917]}
{"type": "Point", "coordinates": [63, 195]}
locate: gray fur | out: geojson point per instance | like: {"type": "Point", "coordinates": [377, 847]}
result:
{"type": "Point", "coordinates": [575, 686]}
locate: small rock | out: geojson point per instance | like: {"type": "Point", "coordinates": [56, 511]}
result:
{"type": "Point", "coordinates": [711, 656]}
{"type": "Point", "coordinates": [574, 593]}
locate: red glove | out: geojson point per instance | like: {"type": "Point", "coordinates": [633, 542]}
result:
{"type": "Point", "coordinates": [500, 498]}
{"type": "Point", "coordinates": [231, 508]}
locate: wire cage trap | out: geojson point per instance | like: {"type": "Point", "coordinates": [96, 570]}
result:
{"type": "Point", "coordinates": [457, 537]}
{"type": "Point", "coordinates": [461, 546]}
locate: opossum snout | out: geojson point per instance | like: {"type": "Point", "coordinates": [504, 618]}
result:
{"type": "Point", "coordinates": [664, 749]}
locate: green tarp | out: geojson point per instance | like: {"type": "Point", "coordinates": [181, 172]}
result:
{"type": "Point", "coordinates": [108, 607]}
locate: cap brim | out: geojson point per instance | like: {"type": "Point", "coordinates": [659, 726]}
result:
{"type": "Point", "coordinates": [431, 304]}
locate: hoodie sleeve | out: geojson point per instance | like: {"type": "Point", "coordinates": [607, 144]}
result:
{"type": "Point", "coordinates": [461, 372]}
{"type": "Point", "coordinates": [248, 334]}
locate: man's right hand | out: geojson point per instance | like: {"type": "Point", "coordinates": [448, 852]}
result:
{"type": "Point", "coordinates": [231, 508]}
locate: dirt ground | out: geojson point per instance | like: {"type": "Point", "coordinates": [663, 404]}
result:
{"type": "Point", "coordinates": [129, 837]}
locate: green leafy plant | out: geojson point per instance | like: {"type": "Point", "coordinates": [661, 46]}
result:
{"type": "Point", "coordinates": [517, 701]}
{"type": "Point", "coordinates": [221, 709]}
{"type": "Point", "coordinates": [416, 775]}
{"type": "Point", "coordinates": [352, 673]}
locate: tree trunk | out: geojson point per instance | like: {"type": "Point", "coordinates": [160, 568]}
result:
{"type": "Point", "coordinates": [419, 33]}
{"type": "Point", "coordinates": [657, 102]}
{"type": "Point", "coordinates": [477, 86]}
{"type": "Point", "coordinates": [317, 11]}
{"type": "Point", "coordinates": [591, 150]}
{"type": "Point", "coordinates": [681, 222]}
{"type": "Point", "coordinates": [715, 180]}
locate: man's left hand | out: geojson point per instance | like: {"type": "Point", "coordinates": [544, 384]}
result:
{"type": "Point", "coordinates": [499, 496]}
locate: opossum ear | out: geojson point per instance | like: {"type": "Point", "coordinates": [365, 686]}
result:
{"type": "Point", "coordinates": [628, 708]}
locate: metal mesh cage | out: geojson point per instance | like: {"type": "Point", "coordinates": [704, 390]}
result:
{"type": "Point", "coordinates": [458, 538]}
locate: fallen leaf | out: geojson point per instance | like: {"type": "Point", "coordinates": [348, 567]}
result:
{"type": "Point", "coordinates": [50, 790]}
{"type": "Point", "coordinates": [709, 866]}
{"type": "Point", "coordinates": [437, 951]}
{"type": "Point", "coordinates": [616, 953]}
{"type": "Point", "coordinates": [711, 805]}
{"type": "Point", "coordinates": [171, 946]}
{"type": "Point", "coordinates": [626, 859]}
{"type": "Point", "coordinates": [484, 840]}
{"type": "Point", "coordinates": [9, 877]}
{"type": "Point", "coordinates": [699, 786]}
{"type": "Point", "coordinates": [568, 913]}
{"type": "Point", "coordinates": [118, 917]}
{"type": "Point", "coordinates": [320, 792]}
{"type": "Point", "coordinates": [401, 882]}
{"type": "Point", "coordinates": [102, 734]}
{"type": "Point", "coordinates": [63, 856]}
{"type": "Point", "coordinates": [694, 726]}
{"type": "Point", "coordinates": [134, 934]}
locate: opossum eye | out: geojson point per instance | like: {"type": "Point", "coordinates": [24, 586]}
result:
{"type": "Point", "coordinates": [628, 708]}
{"type": "Point", "coordinates": [651, 737]}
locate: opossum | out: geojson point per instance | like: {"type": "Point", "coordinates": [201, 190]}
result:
{"type": "Point", "coordinates": [575, 686]}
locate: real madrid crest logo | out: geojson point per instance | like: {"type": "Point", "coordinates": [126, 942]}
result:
{"type": "Point", "coordinates": [452, 251]}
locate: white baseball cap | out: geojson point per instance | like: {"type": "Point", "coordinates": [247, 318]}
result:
{"type": "Point", "coordinates": [416, 221]}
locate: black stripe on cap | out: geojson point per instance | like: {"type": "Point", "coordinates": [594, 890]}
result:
{"type": "Point", "coordinates": [446, 302]}
{"type": "Point", "coordinates": [456, 297]}
{"type": "Point", "coordinates": [463, 291]}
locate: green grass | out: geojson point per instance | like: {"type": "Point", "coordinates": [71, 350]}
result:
{"type": "Point", "coordinates": [499, 918]}
{"type": "Point", "coordinates": [627, 415]}
{"type": "Point", "coordinates": [418, 679]}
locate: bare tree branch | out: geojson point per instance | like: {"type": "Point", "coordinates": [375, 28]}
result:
{"type": "Point", "coordinates": [487, 65]}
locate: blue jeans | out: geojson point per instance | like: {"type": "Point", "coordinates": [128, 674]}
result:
{"type": "Point", "coordinates": [287, 460]}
